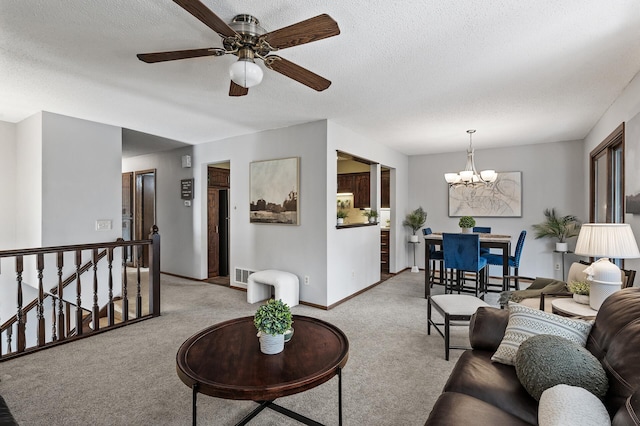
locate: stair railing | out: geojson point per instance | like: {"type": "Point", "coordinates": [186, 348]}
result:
{"type": "Point", "coordinates": [69, 319]}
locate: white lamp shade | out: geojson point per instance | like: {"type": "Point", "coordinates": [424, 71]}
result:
{"type": "Point", "coordinates": [452, 177]}
{"type": "Point", "coordinates": [245, 73]}
{"type": "Point", "coordinates": [466, 175]}
{"type": "Point", "coordinates": [488, 175]}
{"type": "Point", "coordinates": [612, 240]}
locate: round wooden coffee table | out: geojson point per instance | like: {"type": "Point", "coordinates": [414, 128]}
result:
{"type": "Point", "coordinates": [225, 361]}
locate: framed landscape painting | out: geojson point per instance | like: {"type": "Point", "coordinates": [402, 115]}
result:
{"type": "Point", "coordinates": [273, 192]}
{"type": "Point", "coordinates": [501, 199]}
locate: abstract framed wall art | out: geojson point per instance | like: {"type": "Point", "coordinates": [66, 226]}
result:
{"type": "Point", "coordinates": [273, 192]}
{"type": "Point", "coordinates": [501, 199]}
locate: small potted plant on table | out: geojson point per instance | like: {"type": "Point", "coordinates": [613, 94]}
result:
{"type": "Point", "coordinates": [580, 290]}
{"type": "Point", "coordinates": [372, 215]}
{"type": "Point", "coordinates": [466, 224]}
{"type": "Point", "coordinates": [273, 320]}
{"type": "Point", "coordinates": [341, 215]}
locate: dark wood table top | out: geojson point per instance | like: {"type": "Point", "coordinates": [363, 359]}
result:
{"type": "Point", "coordinates": [225, 361]}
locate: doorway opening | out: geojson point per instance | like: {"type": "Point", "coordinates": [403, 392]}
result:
{"type": "Point", "coordinates": [218, 188]}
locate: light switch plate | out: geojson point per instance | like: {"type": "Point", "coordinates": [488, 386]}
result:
{"type": "Point", "coordinates": [103, 225]}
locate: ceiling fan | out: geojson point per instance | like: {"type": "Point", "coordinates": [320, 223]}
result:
{"type": "Point", "coordinates": [246, 39]}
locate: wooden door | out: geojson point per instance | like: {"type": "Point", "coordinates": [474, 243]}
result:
{"type": "Point", "coordinates": [145, 209]}
{"type": "Point", "coordinates": [213, 231]}
{"type": "Point", "coordinates": [127, 211]}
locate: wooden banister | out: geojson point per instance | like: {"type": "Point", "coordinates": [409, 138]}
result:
{"type": "Point", "coordinates": [60, 324]}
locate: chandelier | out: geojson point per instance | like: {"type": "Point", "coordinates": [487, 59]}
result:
{"type": "Point", "coordinates": [469, 176]}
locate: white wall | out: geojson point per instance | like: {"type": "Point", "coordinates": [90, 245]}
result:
{"type": "Point", "coordinates": [7, 213]}
{"type": "Point", "coordinates": [551, 177]}
{"type": "Point", "coordinates": [626, 109]}
{"type": "Point", "coordinates": [8, 188]}
{"type": "Point", "coordinates": [28, 206]}
{"type": "Point", "coordinates": [298, 249]}
{"type": "Point", "coordinates": [353, 257]}
{"type": "Point", "coordinates": [81, 180]}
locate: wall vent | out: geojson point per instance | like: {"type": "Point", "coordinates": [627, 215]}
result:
{"type": "Point", "coordinates": [242, 275]}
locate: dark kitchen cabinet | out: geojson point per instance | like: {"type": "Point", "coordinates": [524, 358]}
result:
{"type": "Point", "coordinates": [384, 251]}
{"type": "Point", "coordinates": [385, 189]}
{"type": "Point", "coordinates": [345, 183]}
{"type": "Point", "coordinates": [362, 193]}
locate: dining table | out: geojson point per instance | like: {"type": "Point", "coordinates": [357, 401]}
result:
{"type": "Point", "coordinates": [496, 241]}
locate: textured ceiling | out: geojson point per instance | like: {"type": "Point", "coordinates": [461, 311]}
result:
{"type": "Point", "coordinates": [413, 75]}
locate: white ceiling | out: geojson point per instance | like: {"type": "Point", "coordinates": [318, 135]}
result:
{"type": "Point", "coordinates": [414, 75]}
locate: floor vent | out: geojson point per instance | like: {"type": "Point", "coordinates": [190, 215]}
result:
{"type": "Point", "coordinates": [242, 275]}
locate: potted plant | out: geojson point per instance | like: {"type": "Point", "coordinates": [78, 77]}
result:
{"type": "Point", "coordinates": [466, 224]}
{"type": "Point", "coordinates": [415, 220]}
{"type": "Point", "coordinates": [272, 320]}
{"type": "Point", "coordinates": [341, 215]}
{"type": "Point", "coordinates": [560, 227]}
{"type": "Point", "coordinates": [580, 290]}
{"type": "Point", "coordinates": [372, 215]}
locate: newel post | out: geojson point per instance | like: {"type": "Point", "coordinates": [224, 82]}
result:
{"type": "Point", "coordinates": [154, 272]}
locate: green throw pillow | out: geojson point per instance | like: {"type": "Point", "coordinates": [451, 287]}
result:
{"type": "Point", "coordinates": [544, 361]}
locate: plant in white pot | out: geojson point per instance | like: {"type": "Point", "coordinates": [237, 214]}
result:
{"type": "Point", "coordinates": [372, 215]}
{"type": "Point", "coordinates": [415, 220]}
{"type": "Point", "coordinates": [341, 216]}
{"type": "Point", "coordinates": [273, 320]}
{"type": "Point", "coordinates": [559, 227]}
{"type": "Point", "coordinates": [466, 224]}
{"type": "Point", "coordinates": [580, 290]}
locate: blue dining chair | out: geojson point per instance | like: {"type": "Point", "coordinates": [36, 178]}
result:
{"type": "Point", "coordinates": [483, 230]}
{"type": "Point", "coordinates": [435, 255]}
{"type": "Point", "coordinates": [462, 254]}
{"type": "Point", "coordinates": [514, 261]}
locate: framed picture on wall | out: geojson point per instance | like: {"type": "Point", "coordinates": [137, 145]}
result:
{"type": "Point", "coordinates": [501, 199]}
{"type": "Point", "coordinates": [273, 193]}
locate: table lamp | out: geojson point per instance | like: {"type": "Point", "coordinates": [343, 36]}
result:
{"type": "Point", "coordinates": [606, 241]}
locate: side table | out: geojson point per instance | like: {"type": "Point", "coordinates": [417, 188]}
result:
{"type": "Point", "coordinates": [567, 307]}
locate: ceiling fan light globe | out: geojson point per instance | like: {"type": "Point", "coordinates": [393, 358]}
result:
{"type": "Point", "coordinates": [245, 73]}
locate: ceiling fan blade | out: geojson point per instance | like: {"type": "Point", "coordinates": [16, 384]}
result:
{"type": "Point", "coordinates": [151, 58]}
{"type": "Point", "coordinates": [207, 17]}
{"type": "Point", "coordinates": [237, 90]}
{"type": "Point", "coordinates": [313, 29]}
{"type": "Point", "coordinates": [296, 72]}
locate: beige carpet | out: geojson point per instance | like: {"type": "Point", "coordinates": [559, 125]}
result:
{"type": "Point", "coordinates": [127, 376]}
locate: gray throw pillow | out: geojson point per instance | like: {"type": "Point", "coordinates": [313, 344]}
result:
{"type": "Point", "coordinates": [544, 361]}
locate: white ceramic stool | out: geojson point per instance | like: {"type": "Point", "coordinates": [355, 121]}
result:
{"type": "Point", "coordinates": [454, 308]}
{"type": "Point", "coordinates": [286, 284]}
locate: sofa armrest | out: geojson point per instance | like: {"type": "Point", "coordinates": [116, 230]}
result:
{"type": "Point", "coordinates": [6, 418]}
{"type": "Point", "coordinates": [628, 413]}
{"type": "Point", "coordinates": [487, 327]}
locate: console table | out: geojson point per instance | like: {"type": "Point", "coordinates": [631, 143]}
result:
{"type": "Point", "coordinates": [208, 363]}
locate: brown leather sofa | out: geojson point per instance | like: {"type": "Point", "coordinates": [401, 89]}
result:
{"type": "Point", "coordinates": [6, 419]}
{"type": "Point", "coordinates": [482, 392]}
